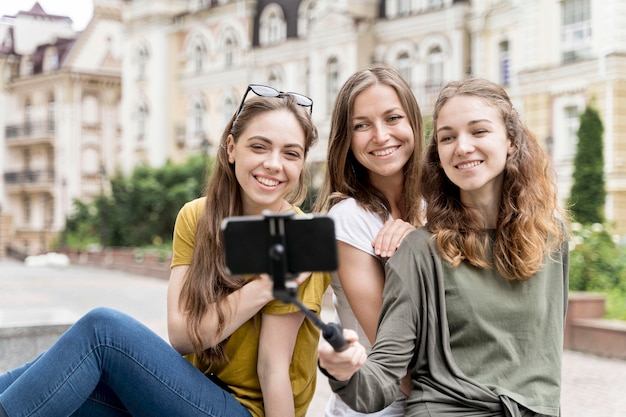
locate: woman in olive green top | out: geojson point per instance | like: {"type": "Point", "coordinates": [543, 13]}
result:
{"type": "Point", "coordinates": [474, 303]}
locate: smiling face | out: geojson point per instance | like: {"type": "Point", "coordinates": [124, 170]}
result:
{"type": "Point", "coordinates": [473, 147]}
{"type": "Point", "coordinates": [268, 157]}
{"type": "Point", "coordinates": [382, 137]}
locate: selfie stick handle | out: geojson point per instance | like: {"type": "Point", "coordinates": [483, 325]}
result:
{"type": "Point", "coordinates": [332, 332]}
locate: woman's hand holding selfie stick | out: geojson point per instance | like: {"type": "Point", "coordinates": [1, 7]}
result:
{"type": "Point", "coordinates": [258, 245]}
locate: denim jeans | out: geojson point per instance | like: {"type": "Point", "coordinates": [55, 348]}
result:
{"type": "Point", "coordinates": [109, 364]}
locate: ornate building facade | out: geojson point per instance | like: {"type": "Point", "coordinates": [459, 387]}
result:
{"type": "Point", "coordinates": [189, 63]}
{"type": "Point", "coordinates": [185, 65]}
{"type": "Point", "coordinates": [60, 95]}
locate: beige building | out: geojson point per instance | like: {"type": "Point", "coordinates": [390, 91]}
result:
{"type": "Point", "coordinates": [188, 64]}
{"type": "Point", "coordinates": [185, 65]}
{"type": "Point", "coordinates": [60, 94]}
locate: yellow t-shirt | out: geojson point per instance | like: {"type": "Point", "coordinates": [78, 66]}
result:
{"type": "Point", "coordinates": [239, 373]}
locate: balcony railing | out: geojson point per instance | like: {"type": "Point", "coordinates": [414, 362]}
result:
{"type": "Point", "coordinates": [29, 177]}
{"type": "Point", "coordinates": [30, 130]}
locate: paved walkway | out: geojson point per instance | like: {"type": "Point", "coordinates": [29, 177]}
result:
{"type": "Point", "coordinates": [592, 386]}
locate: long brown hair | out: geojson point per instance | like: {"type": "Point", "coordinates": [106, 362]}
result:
{"type": "Point", "coordinates": [207, 281]}
{"type": "Point", "coordinates": [530, 222]}
{"type": "Point", "coordinates": [345, 176]}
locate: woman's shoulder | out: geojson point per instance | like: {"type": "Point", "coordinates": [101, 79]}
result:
{"type": "Point", "coordinates": [193, 208]}
{"type": "Point", "coordinates": [419, 241]}
{"type": "Point", "coordinates": [351, 209]}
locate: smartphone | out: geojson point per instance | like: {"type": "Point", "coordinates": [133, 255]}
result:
{"type": "Point", "coordinates": [307, 243]}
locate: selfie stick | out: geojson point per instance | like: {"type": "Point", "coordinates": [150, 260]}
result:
{"type": "Point", "coordinates": [332, 332]}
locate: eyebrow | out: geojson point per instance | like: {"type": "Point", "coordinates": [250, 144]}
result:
{"type": "Point", "coordinates": [472, 122]}
{"type": "Point", "coordinates": [392, 110]}
{"type": "Point", "coordinates": [269, 142]}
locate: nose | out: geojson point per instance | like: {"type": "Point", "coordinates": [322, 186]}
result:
{"type": "Point", "coordinates": [273, 162]}
{"type": "Point", "coordinates": [381, 133]}
{"type": "Point", "coordinates": [464, 145]}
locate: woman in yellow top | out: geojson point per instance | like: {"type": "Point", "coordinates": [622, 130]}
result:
{"type": "Point", "coordinates": [253, 355]}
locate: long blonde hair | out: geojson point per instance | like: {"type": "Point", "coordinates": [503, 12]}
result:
{"type": "Point", "coordinates": [207, 281]}
{"type": "Point", "coordinates": [345, 176]}
{"type": "Point", "coordinates": [530, 222]}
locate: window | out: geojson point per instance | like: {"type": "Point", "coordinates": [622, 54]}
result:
{"type": "Point", "coordinates": [332, 82]}
{"type": "Point", "coordinates": [273, 28]}
{"type": "Point", "coordinates": [28, 115]}
{"type": "Point", "coordinates": [434, 75]}
{"type": "Point", "coordinates": [308, 14]}
{"type": "Point", "coordinates": [26, 208]}
{"type": "Point", "coordinates": [503, 51]}
{"type": "Point", "coordinates": [404, 67]}
{"type": "Point", "coordinates": [230, 49]}
{"type": "Point", "coordinates": [52, 59]}
{"type": "Point", "coordinates": [576, 29]}
{"type": "Point", "coordinates": [198, 54]}
{"type": "Point", "coordinates": [51, 114]}
{"type": "Point", "coordinates": [198, 117]}
{"type": "Point", "coordinates": [404, 7]}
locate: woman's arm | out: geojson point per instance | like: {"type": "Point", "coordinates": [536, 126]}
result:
{"type": "Point", "coordinates": [362, 279]}
{"type": "Point", "coordinates": [243, 304]}
{"type": "Point", "coordinates": [276, 344]}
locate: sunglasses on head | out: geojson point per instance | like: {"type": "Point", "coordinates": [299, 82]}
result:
{"type": "Point", "coordinates": [265, 91]}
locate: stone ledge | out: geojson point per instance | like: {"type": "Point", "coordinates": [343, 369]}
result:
{"type": "Point", "coordinates": [20, 344]}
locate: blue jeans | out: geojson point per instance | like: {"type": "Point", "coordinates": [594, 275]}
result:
{"type": "Point", "coordinates": [109, 364]}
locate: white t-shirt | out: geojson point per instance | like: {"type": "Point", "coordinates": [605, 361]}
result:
{"type": "Point", "coordinates": [357, 227]}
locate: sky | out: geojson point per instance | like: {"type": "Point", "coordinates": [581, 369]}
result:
{"type": "Point", "coordinates": [79, 11]}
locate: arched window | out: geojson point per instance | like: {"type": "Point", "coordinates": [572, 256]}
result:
{"type": "Point", "coordinates": [198, 113]}
{"type": "Point", "coordinates": [405, 68]}
{"type": "Point", "coordinates": [272, 25]}
{"type": "Point", "coordinates": [332, 82]}
{"type": "Point", "coordinates": [198, 57]}
{"type": "Point", "coordinates": [434, 75]}
{"type": "Point", "coordinates": [504, 59]}
{"type": "Point", "coordinates": [308, 13]}
{"type": "Point", "coordinates": [52, 59]}
{"type": "Point", "coordinates": [230, 50]}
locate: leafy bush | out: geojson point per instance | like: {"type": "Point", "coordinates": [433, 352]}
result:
{"type": "Point", "coordinates": [141, 208]}
{"type": "Point", "coordinates": [598, 263]}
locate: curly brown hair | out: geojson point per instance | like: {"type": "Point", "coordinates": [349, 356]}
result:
{"type": "Point", "coordinates": [530, 222]}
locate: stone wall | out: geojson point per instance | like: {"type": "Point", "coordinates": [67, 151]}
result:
{"type": "Point", "coordinates": [124, 259]}
{"type": "Point", "coordinates": [585, 329]}
{"type": "Point", "coordinates": [23, 343]}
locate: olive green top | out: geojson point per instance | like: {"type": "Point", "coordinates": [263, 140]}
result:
{"type": "Point", "coordinates": [475, 342]}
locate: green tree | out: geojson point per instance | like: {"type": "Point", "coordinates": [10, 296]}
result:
{"type": "Point", "coordinates": [141, 208]}
{"type": "Point", "coordinates": [588, 191]}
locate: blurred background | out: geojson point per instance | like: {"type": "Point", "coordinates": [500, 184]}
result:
{"type": "Point", "coordinates": [111, 110]}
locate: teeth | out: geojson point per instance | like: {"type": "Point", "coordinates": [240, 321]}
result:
{"type": "Point", "coordinates": [384, 152]}
{"type": "Point", "coordinates": [469, 165]}
{"type": "Point", "coordinates": [267, 182]}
